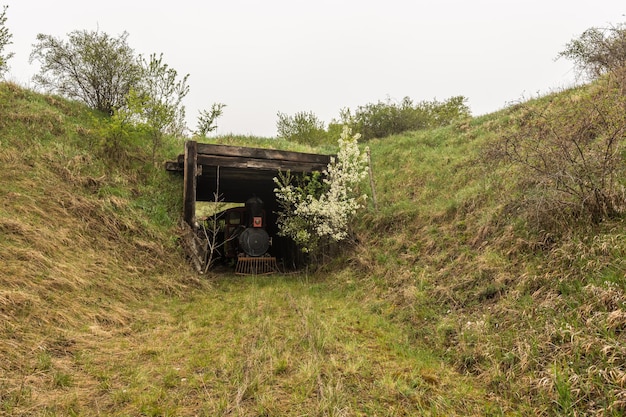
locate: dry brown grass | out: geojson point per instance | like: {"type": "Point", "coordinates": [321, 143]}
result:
{"type": "Point", "coordinates": [74, 263]}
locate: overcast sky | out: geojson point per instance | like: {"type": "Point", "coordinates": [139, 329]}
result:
{"type": "Point", "coordinates": [264, 57]}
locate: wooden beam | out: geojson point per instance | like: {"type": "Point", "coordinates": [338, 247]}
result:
{"type": "Point", "coordinates": [264, 164]}
{"type": "Point", "coordinates": [260, 153]}
{"type": "Point", "coordinates": [190, 182]}
{"type": "Point", "coordinates": [252, 158]}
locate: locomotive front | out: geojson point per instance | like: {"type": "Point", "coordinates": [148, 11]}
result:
{"type": "Point", "coordinates": [254, 240]}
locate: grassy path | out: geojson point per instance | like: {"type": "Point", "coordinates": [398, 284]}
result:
{"type": "Point", "coordinates": [264, 346]}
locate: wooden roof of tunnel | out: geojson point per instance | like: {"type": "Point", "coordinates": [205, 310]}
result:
{"type": "Point", "coordinates": [236, 173]}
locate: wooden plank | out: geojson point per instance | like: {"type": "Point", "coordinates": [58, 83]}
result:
{"type": "Point", "coordinates": [194, 247]}
{"type": "Point", "coordinates": [251, 163]}
{"type": "Point", "coordinates": [259, 153]}
{"type": "Point", "coordinates": [190, 183]}
{"type": "Point", "coordinates": [255, 158]}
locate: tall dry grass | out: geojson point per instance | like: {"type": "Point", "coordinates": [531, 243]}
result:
{"type": "Point", "coordinates": [75, 261]}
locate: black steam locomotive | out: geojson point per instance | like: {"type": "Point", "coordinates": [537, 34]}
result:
{"type": "Point", "coordinates": [245, 230]}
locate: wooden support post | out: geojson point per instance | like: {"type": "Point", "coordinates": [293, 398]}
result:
{"type": "Point", "coordinates": [190, 182]}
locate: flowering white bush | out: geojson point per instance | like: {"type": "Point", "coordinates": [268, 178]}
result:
{"type": "Point", "coordinates": [317, 210]}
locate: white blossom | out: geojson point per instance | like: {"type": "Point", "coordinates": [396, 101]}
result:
{"type": "Point", "coordinates": [308, 218]}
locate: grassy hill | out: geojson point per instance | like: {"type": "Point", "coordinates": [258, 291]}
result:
{"type": "Point", "coordinates": [83, 244]}
{"type": "Point", "coordinates": [493, 269]}
{"type": "Point", "coordinates": [450, 302]}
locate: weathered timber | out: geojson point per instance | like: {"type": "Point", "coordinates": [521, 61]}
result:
{"type": "Point", "coordinates": [195, 248]}
{"type": "Point", "coordinates": [173, 166]}
{"type": "Point", "coordinates": [256, 163]}
{"type": "Point", "coordinates": [260, 153]}
{"type": "Point", "coordinates": [256, 158]}
{"type": "Point", "coordinates": [240, 171]}
{"type": "Point", "coordinates": [190, 182]}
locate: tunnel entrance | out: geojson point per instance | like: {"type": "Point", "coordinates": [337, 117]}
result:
{"type": "Point", "coordinates": [237, 174]}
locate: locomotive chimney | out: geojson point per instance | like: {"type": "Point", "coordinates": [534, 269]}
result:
{"type": "Point", "coordinates": [254, 212]}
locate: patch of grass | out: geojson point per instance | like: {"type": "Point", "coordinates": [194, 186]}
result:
{"type": "Point", "coordinates": [75, 250]}
{"type": "Point", "coordinates": [499, 298]}
{"type": "Point", "coordinates": [263, 142]}
{"type": "Point", "coordinates": [61, 380]}
{"type": "Point", "coordinates": [277, 345]}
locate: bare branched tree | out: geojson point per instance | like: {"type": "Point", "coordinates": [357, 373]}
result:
{"type": "Point", "coordinates": [571, 155]}
{"type": "Point", "coordinates": [214, 232]}
{"type": "Point", "coordinates": [598, 50]}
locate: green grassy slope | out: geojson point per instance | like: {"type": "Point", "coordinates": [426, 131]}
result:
{"type": "Point", "coordinates": [82, 244]}
{"type": "Point", "coordinates": [536, 316]}
{"type": "Point", "coordinates": [100, 314]}
{"type": "Point", "coordinates": [449, 304]}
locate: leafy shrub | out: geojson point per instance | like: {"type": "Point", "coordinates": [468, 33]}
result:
{"type": "Point", "coordinates": [156, 101]}
{"type": "Point", "coordinates": [303, 127]}
{"type": "Point", "coordinates": [90, 66]}
{"type": "Point", "coordinates": [382, 119]}
{"type": "Point", "coordinates": [571, 153]}
{"type": "Point", "coordinates": [104, 73]}
{"type": "Point", "coordinates": [208, 118]}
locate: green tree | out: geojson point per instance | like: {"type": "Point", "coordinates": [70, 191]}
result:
{"type": "Point", "coordinates": [207, 119]}
{"type": "Point", "coordinates": [598, 51]}
{"type": "Point", "coordinates": [303, 127]}
{"type": "Point", "coordinates": [156, 102]}
{"type": "Point", "coordinates": [90, 66]}
{"type": "Point", "coordinates": [5, 39]}
{"type": "Point", "coordinates": [444, 113]}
